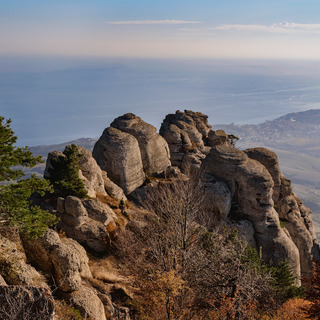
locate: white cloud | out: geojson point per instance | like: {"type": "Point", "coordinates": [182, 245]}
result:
{"type": "Point", "coordinates": [283, 27]}
{"type": "Point", "coordinates": [145, 22]}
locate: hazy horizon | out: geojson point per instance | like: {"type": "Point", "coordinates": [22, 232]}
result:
{"type": "Point", "coordinates": [52, 100]}
{"type": "Point", "coordinates": [68, 68]}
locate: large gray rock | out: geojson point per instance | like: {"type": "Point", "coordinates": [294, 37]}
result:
{"type": "Point", "coordinates": [219, 197]}
{"type": "Point", "coordinates": [184, 131]}
{"type": "Point", "coordinates": [13, 267]}
{"type": "Point", "coordinates": [216, 138]}
{"type": "Point", "coordinates": [87, 302]}
{"type": "Point", "coordinates": [90, 173]}
{"type": "Point", "coordinates": [270, 160]}
{"type": "Point", "coordinates": [112, 189]}
{"type": "Point", "coordinates": [64, 258]}
{"type": "Point", "coordinates": [251, 186]}
{"type": "Point", "coordinates": [154, 149]}
{"type": "Point", "coordinates": [118, 153]}
{"type": "Point", "coordinates": [294, 215]}
{"type": "Point", "coordinates": [86, 221]}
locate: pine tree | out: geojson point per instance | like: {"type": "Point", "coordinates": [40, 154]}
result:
{"type": "Point", "coordinates": [64, 174]}
{"type": "Point", "coordinates": [15, 192]}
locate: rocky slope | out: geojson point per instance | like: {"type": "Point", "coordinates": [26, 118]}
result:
{"type": "Point", "coordinates": [245, 190]}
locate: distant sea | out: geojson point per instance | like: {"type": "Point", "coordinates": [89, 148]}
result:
{"type": "Point", "coordinates": [53, 100]}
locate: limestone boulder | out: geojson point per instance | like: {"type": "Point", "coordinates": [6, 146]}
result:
{"type": "Point", "coordinates": [86, 221]}
{"type": "Point", "coordinates": [87, 302]}
{"type": "Point", "coordinates": [112, 189]}
{"type": "Point", "coordinates": [92, 234]}
{"type": "Point", "coordinates": [90, 173]}
{"type": "Point", "coordinates": [218, 137]}
{"type": "Point", "coordinates": [246, 232]}
{"type": "Point", "coordinates": [64, 258]}
{"type": "Point", "coordinates": [270, 160]}
{"type": "Point", "coordinates": [118, 153]}
{"type": "Point", "coordinates": [13, 267]}
{"type": "Point", "coordinates": [295, 217]}
{"type": "Point", "coordinates": [218, 196]}
{"type": "Point", "coordinates": [191, 161]}
{"type": "Point", "coordinates": [251, 186]}
{"type": "Point", "coordinates": [154, 149]}
{"type": "Point", "coordinates": [184, 131]}
{"type": "Point", "coordinates": [99, 211]}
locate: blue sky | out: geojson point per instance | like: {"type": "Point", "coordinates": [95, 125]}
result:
{"type": "Point", "coordinates": [282, 29]}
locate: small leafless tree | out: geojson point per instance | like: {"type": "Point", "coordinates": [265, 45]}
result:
{"type": "Point", "coordinates": [175, 244]}
{"type": "Point", "coordinates": [27, 303]}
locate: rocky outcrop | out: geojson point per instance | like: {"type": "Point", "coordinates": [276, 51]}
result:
{"type": "Point", "coordinates": [251, 187]}
{"type": "Point", "coordinates": [87, 302]}
{"type": "Point", "coordinates": [28, 302]}
{"type": "Point", "coordinates": [128, 151]}
{"type": "Point", "coordinates": [270, 160]}
{"type": "Point", "coordinates": [119, 155]}
{"type": "Point", "coordinates": [184, 132]}
{"type": "Point", "coordinates": [112, 189]}
{"type": "Point", "coordinates": [216, 138]}
{"type": "Point", "coordinates": [63, 258]}
{"type": "Point", "coordinates": [261, 195]}
{"type": "Point", "coordinates": [89, 172]}
{"type": "Point", "coordinates": [13, 267]}
{"type": "Point", "coordinates": [86, 221]}
{"type": "Point", "coordinates": [154, 149]}
{"type": "Point", "coordinates": [295, 217]}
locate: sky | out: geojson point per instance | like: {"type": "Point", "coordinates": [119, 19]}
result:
{"type": "Point", "coordinates": [69, 67]}
{"type": "Point", "coordinates": [247, 29]}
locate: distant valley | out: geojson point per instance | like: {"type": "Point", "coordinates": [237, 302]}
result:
{"type": "Point", "coordinates": [295, 138]}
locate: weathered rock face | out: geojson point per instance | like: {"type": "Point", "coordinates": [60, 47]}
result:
{"type": "Point", "coordinates": [251, 187]}
{"type": "Point", "coordinates": [112, 189]}
{"type": "Point", "coordinates": [216, 138]}
{"type": "Point", "coordinates": [86, 221]}
{"type": "Point", "coordinates": [118, 153]}
{"type": "Point", "coordinates": [87, 302]}
{"type": "Point", "coordinates": [295, 216]}
{"type": "Point", "coordinates": [13, 267]}
{"type": "Point", "coordinates": [184, 131]}
{"type": "Point", "coordinates": [263, 197]}
{"type": "Point", "coordinates": [90, 173]}
{"type": "Point", "coordinates": [270, 160]}
{"type": "Point", "coordinates": [154, 149]}
{"type": "Point", "coordinates": [64, 258]}
{"type": "Point", "coordinates": [29, 302]}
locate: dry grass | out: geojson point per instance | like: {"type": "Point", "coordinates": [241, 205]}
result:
{"type": "Point", "coordinates": [104, 271]}
{"type": "Point", "coordinates": [111, 202]}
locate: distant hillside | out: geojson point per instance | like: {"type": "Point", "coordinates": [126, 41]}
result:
{"type": "Point", "coordinates": [295, 138]}
{"type": "Point", "coordinates": [43, 150]}
{"type": "Point", "coordinates": [298, 132]}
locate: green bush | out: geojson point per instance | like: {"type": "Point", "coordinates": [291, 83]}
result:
{"type": "Point", "coordinates": [16, 207]}
{"type": "Point", "coordinates": [64, 174]}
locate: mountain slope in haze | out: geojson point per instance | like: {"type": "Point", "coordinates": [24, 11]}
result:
{"type": "Point", "coordinates": [295, 138]}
